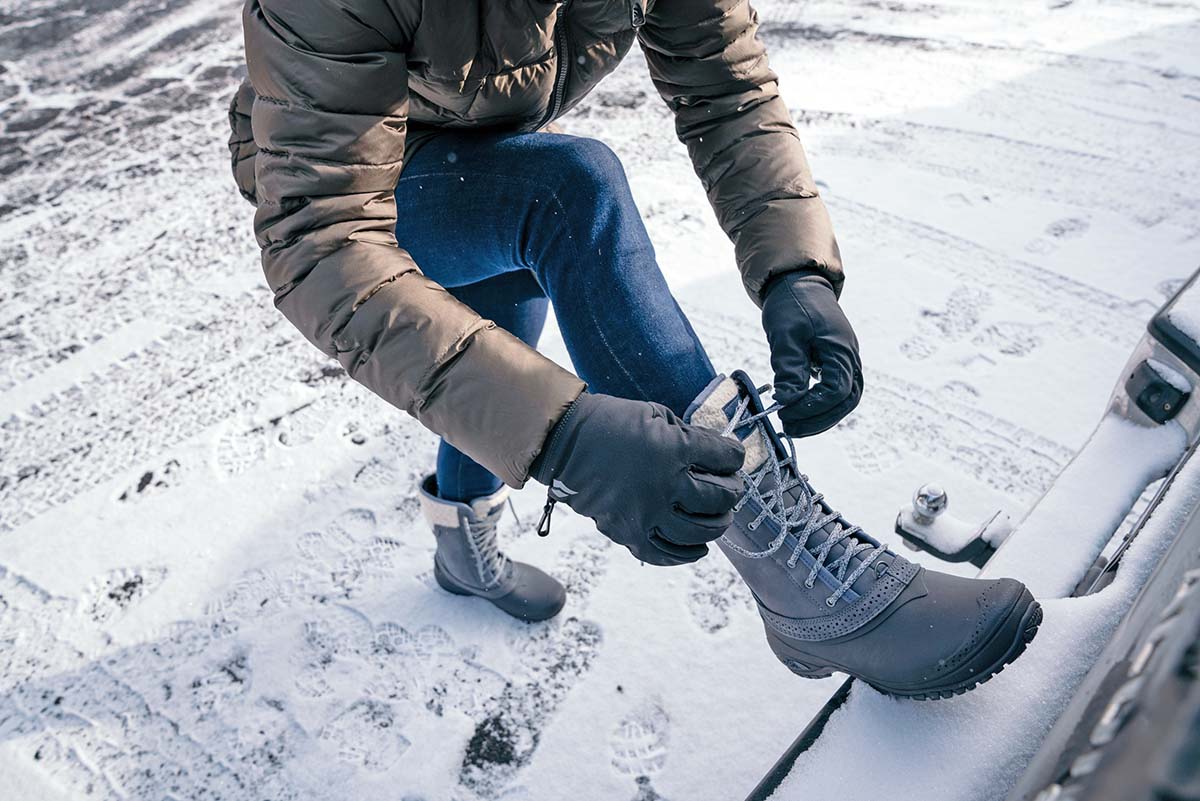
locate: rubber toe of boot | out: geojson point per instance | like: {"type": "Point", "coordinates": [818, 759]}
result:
{"type": "Point", "coordinates": [1007, 620]}
{"type": "Point", "coordinates": [953, 634]}
{"type": "Point", "coordinates": [535, 595]}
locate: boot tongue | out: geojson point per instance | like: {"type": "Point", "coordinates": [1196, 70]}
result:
{"type": "Point", "coordinates": [716, 407]}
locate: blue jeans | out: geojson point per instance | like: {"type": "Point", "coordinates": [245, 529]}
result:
{"type": "Point", "coordinates": [508, 222]}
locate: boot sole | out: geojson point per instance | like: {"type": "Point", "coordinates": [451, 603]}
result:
{"type": "Point", "coordinates": [1031, 618]}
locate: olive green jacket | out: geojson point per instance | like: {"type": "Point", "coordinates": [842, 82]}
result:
{"type": "Point", "coordinates": [337, 88]}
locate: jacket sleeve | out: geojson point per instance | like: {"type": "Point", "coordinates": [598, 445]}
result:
{"type": "Point", "coordinates": [329, 121]}
{"type": "Point", "coordinates": [242, 150]}
{"type": "Point", "coordinates": [709, 66]}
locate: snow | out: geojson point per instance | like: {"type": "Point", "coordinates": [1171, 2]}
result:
{"type": "Point", "coordinates": [1068, 528]}
{"type": "Point", "coordinates": [1184, 313]}
{"type": "Point", "coordinates": [997, 530]}
{"type": "Point", "coordinates": [950, 535]}
{"type": "Point", "coordinates": [1170, 375]}
{"type": "Point", "coordinates": [214, 575]}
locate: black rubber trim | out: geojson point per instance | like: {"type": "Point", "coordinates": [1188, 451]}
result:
{"type": "Point", "coordinates": [1174, 340]}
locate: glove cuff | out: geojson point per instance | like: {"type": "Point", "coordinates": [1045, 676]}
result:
{"type": "Point", "coordinates": [799, 274]}
{"type": "Point", "coordinates": [549, 462]}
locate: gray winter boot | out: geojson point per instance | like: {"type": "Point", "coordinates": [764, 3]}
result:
{"type": "Point", "coordinates": [468, 560]}
{"type": "Point", "coordinates": [832, 598]}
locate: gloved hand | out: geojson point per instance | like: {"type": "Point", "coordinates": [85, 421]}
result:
{"type": "Point", "coordinates": [810, 336]}
{"type": "Point", "coordinates": [658, 486]}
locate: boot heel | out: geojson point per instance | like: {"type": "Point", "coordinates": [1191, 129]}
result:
{"type": "Point", "coordinates": [801, 669]}
{"type": "Point", "coordinates": [445, 582]}
{"type": "Point", "coordinates": [800, 664]}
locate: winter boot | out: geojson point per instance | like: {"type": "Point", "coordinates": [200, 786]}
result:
{"type": "Point", "coordinates": [832, 598]}
{"type": "Point", "coordinates": [468, 560]}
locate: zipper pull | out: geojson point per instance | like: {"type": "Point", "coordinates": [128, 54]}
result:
{"type": "Point", "coordinates": [543, 526]}
{"type": "Point", "coordinates": [637, 13]}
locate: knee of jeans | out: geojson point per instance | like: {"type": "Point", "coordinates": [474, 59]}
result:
{"type": "Point", "coordinates": [589, 170]}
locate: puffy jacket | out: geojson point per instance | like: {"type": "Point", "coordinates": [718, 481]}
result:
{"type": "Point", "coordinates": [336, 91]}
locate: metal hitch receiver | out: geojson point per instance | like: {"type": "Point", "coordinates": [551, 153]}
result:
{"type": "Point", "coordinates": [925, 526]}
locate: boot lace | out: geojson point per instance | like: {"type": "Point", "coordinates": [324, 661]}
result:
{"type": "Point", "coordinates": [802, 518]}
{"type": "Point", "coordinates": [490, 561]}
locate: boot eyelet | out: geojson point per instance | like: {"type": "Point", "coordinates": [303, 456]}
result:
{"type": "Point", "coordinates": [808, 585]}
{"type": "Point", "coordinates": [831, 602]}
{"type": "Point", "coordinates": [752, 526]}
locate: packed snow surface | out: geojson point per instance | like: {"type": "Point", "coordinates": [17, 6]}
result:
{"type": "Point", "coordinates": [214, 582]}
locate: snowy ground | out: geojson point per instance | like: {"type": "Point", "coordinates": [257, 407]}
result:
{"type": "Point", "coordinates": [213, 579]}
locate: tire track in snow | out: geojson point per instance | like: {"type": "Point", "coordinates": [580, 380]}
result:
{"type": "Point", "coordinates": [1070, 308]}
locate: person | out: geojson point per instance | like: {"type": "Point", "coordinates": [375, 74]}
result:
{"type": "Point", "coordinates": [418, 211]}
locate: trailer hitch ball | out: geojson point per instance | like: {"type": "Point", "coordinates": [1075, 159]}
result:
{"type": "Point", "coordinates": [929, 501]}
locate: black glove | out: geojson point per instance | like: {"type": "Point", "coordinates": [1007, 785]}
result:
{"type": "Point", "coordinates": [810, 337]}
{"type": "Point", "coordinates": [658, 486]}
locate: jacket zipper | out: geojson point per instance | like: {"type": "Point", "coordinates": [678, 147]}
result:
{"type": "Point", "coordinates": [563, 50]}
{"type": "Point", "coordinates": [543, 526]}
{"type": "Point", "coordinates": [637, 13]}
